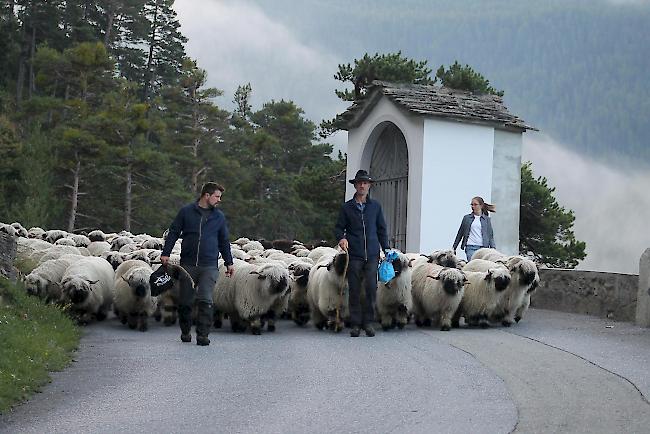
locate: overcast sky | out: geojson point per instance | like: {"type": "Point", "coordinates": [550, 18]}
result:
{"type": "Point", "coordinates": [236, 43]}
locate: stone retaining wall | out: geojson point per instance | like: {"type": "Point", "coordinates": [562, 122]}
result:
{"type": "Point", "coordinates": [607, 295]}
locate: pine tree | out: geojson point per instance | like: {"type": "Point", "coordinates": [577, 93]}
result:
{"type": "Point", "coordinates": [545, 227]}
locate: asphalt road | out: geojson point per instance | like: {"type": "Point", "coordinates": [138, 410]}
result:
{"type": "Point", "coordinates": [554, 372]}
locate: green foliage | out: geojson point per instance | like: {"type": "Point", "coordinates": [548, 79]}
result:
{"type": "Point", "coordinates": [109, 125]}
{"type": "Point", "coordinates": [465, 78]}
{"type": "Point", "coordinates": [545, 228]}
{"type": "Point", "coordinates": [392, 67]}
{"type": "Point", "coordinates": [36, 339]}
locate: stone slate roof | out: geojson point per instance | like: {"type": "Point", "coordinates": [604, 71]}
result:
{"type": "Point", "coordinates": [435, 101]}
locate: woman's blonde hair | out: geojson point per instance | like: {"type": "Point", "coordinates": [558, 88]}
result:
{"type": "Point", "coordinates": [485, 207]}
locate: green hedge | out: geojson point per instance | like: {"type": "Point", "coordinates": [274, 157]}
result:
{"type": "Point", "coordinates": [35, 339]}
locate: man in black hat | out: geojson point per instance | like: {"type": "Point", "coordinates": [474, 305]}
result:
{"type": "Point", "coordinates": [361, 231]}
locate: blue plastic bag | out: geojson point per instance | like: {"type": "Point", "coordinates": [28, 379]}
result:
{"type": "Point", "coordinates": [386, 271]}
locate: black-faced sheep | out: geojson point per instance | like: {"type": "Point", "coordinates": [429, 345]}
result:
{"type": "Point", "coordinates": [316, 253]}
{"type": "Point", "coordinates": [132, 300]}
{"type": "Point", "coordinates": [97, 235]}
{"type": "Point", "coordinates": [45, 280]}
{"type": "Point", "coordinates": [97, 248]}
{"type": "Point", "coordinates": [327, 291]}
{"type": "Point", "coordinates": [394, 298]}
{"type": "Point", "coordinates": [87, 285]}
{"type": "Point", "coordinates": [20, 230]}
{"type": "Point", "coordinates": [298, 303]}
{"type": "Point", "coordinates": [437, 291]}
{"type": "Point", "coordinates": [54, 234]}
{"type": "Point", "coordinates": [482, 293]}
{"type": "Point", "coordinates": [251, 294]}
{"type": "Point", "coordinates": [523, 273]}
{"type": "Point", "coordinates": [36, 232]}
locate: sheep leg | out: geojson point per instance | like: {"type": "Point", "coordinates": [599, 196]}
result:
{"type": "Point", "coordinates": [169, 315]}
{"type": "Point", "coordinates": [142, 322]}
{"type": "Point", "coordinates": [256, 326]}
{"type": "Point", "coordinates": [402, 316]}
{"type": "Point", "coordinates": [101, 315]}
{"type": "Point", "coordinates": [386, 322]}
{"type": "Point", "coordinates": [270, 316]}
{"type": "Point", "coordinates": [236, 324]}
{"type": "Point", "coordinates": [157, 315]}
{"type": "Point", "coordinates": [445, 320]}
{"type": "Point", "coordinates": [455, 320]}
{"type": "Point", "coordinates": [218, 319]}
{"type": "Point", "coordinates": [318, 319]}
{"type": "Point", "coordinates": [133, 320]}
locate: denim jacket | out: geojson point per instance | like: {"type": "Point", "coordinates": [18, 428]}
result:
{"type": "Point", "coordinates": [486, 231]}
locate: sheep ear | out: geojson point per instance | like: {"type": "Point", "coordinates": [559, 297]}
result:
{"type": "Point", "coordinates": [411, 262]}
{"type": "Point", "coordinates": [488, 276]}
{"type": "Point", "coordinates": [323, 266]}
{"type": "Point", "coordinates": [259, 276]}
{"type": "Point", "coordinates": [124, 279]}
{"type": "Point", "coordinates": [435, 275]}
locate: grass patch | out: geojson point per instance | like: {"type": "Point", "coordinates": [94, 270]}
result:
{"type": "Point", "coordinates": [36, 339]}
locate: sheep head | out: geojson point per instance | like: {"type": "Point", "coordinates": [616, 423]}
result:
{"type": "Point", "coordinates": [36, 285]}
{"type": "Point", "coordinates": [500, 276]}
{"type": "Point", "coordinates": [453, 280]}
{"type": "Point", "coordinates": [77, 289]}
{"type": "Point", "coordinates": [445, 258]}
{"type": "Point", "coordinates": [276, 278]}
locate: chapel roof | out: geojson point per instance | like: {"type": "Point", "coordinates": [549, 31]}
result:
{"type": "Point", "coordinates": [435, 101]}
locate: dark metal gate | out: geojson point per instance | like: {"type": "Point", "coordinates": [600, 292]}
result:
{"type": "Point", "coordinates": [389, 168]}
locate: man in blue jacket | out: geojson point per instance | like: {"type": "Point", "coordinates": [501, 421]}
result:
{"type": "Point", "coordinates": [361, 231]}
{"type": "Point", "coordinates": [204, 232]}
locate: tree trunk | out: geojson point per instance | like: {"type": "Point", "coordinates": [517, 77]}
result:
{"type": "Point", "coordinates": [32, 52]}
{"type": "Point", "coordinates": [74, 197]}
{"type": "Point", "coordinates": [152, 42]}
{"type": "Point", "coordinates": [128, 197]}
{"type": "Point", "coordinates": [110, 17]}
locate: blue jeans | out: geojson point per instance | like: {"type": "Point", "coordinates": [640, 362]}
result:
{"type": "Point", "coordinates": [470, 249]}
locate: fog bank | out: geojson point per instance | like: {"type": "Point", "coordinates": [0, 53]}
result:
{"type": "Point", "coordinates": [609, 204]}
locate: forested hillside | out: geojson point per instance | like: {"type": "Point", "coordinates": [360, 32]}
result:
{"type": "Point", "coordinates": [106, 123]}
{"type": "Point", "coordinates": [575, 69]}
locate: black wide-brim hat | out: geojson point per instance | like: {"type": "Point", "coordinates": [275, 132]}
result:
{"type": "Point", "coordinates": [361, 175]}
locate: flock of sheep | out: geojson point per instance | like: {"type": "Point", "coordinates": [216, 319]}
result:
{"type": "Point", "coordinates": [90, 274]}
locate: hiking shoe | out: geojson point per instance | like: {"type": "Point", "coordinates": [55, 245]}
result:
{"type": "Point", "coordinates": [186, 337]}
{"type": "Point", "coordinates": [202, 340]}
{"type": "Point", "coordinates": [355, 332]}
{"type": "Point", "coordinates": [370, 332]}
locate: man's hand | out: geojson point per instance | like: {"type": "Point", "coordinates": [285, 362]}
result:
{"type": "Point", "coordinates": [230, 269]}
{"type": "Point", "coordinates": [343, 244]}
{"type": "Point", "coordinates": [164, 260]}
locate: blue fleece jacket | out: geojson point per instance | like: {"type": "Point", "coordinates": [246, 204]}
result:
{"type": "Point", "coordinates": [202, 240]}
{"type": "Point", "coordinates": [365, 231]}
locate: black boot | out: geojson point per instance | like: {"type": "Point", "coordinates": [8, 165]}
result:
{"type": "Point", "coordinates": [203, 322]}
{"type": "Point", "coordinates": [185, 321]}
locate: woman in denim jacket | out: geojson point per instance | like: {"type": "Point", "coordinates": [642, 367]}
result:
{"type": "Point", "coordinates": [475, 229]}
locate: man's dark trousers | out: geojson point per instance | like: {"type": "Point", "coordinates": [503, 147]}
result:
{"type": "Point", "coordinates": [366, 271]}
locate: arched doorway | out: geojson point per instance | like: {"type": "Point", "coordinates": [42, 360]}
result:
{"type": "Point", "coordinates": [389, 168]}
